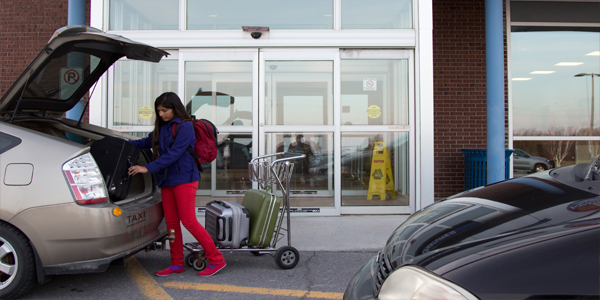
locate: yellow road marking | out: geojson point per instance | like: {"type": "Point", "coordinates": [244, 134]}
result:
{"type": "Point", "coordinates": [252, 290]}
{"type": "Point", "coordinates": [145, 282]}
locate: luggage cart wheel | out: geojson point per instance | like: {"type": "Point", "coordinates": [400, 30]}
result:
{"type": "Point", "coordinates": [287, 257]}
{"type": "Point", "coordinates": [196, 261]}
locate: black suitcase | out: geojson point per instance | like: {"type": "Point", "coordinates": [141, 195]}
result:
{"type": "Point", "coordinates": [227, 223]}
{"type": "Point", "coordinates": [114, 156]}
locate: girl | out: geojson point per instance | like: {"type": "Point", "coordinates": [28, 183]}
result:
{"type": "Point", "coordinates": [178, 179]}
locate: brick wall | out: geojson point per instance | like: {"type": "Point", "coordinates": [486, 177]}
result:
{"type": "Point", "coordinates": [25, 28]}
{"type": "Point", "coordinates": [459, 88]}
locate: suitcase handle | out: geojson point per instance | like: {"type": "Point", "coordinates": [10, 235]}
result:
{"type": "Point", "coordinates": [219, 219]}
{"type": "Point", "coordinates": [230, 229]}
{"type": "Point", "coordinates": [222, 203]}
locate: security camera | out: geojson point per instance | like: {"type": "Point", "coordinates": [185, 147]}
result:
{"type": "Point", "coordinates": [255, 31]}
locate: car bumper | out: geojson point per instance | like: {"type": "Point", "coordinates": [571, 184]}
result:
{"type": "Point", "coordinates": [361, 285]}
{"type": "Point", "coordinates": [70, 238]}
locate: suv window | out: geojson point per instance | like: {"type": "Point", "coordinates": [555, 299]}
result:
{"type": "Point", "coordinates": [7, 142]}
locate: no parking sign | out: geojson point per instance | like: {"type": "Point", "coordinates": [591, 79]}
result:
{"type": "Point", "coordinates": [71, 79]}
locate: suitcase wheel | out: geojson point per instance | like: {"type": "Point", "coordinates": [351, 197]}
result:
{"type": "Point", "coordinates": [287, 257]}
{"type": "Point", "coordinates": [196, 261]}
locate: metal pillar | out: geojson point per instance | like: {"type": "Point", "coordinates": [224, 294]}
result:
{"type": "Point", "coordinates": [494, 39]}
{"type": "Point", "coordinates": [76, 16]}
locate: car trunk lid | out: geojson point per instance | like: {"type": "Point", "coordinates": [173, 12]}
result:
{"type": "Point", "coordinates": [68, 66]}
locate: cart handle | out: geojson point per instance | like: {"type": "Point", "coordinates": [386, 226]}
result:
{"type": "Point", "coordinates": [265, 156]}
{"type": "Point", "coordinates": [289, 158]}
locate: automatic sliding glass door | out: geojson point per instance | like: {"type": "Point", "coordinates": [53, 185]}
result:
{"type": "Point", "coordinates": [297, 117]}
{"type": "Point", "coordinates": [221, 87]}
{"type": "Point", "coordinates": [351, 113]}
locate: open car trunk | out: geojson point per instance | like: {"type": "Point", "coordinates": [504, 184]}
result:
{"type": "Point", "coordinates": [140, 186]}
{"type": "Point", "coordinates": [60, 76]}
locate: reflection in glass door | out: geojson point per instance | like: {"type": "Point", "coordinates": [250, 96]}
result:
{"type": "Point", "coordinates": [350, 114]}
{"type": "Point", "coordinates": [298, 120]}
{"type": "Point", "coordinates": [223, 91]}
{"type": "Point", "coordinates": [376, 127]}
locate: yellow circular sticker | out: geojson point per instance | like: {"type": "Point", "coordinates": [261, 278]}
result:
{"type": "Point", "coordinates": [146, 112]}
{"type": "Point", "coordinates": [374, 111]}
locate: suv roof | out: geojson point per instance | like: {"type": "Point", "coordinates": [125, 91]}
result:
{"type": "Point", "coordinates": [68, 66]}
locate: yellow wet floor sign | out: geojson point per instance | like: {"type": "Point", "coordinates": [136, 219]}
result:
{"type": "Point", "coordinates": [382, 180]}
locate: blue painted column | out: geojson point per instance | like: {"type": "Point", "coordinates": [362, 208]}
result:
{"type": "Point", "coordinates": [76, 16]}
{"type": "Point", "coordinates": [494, 46]}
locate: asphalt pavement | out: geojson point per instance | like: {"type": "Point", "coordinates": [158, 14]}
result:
{"type": "Point", "coordinates": [337, 233]}
{"type": "Point", "coordinates": [331, 250]}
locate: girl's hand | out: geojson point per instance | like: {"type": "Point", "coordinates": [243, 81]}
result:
{"type": "Point", "coordinates": [137, 169]}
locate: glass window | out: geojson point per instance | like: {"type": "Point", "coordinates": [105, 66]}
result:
{"type": "Point", "coordinates": [219, 91]}
{"type": "Point", "coordinates": [299, 93]}
{"type": "Point", "coordinates": [233, 155]}
{"type": "Point", "coordinates": [555, 11]}
{"type": "Point", "coordinates": [7, 142]}
{"type": "Point", "coordinates": [555, 83]}
{"type": "Point", "coordinates": [222, 15]}
{"type": "Point", "coordinates": [375, 166]}
{"type": "Point", "coordinates": [73, 69]}
{"type": "Point", "coordinates": [136, 86]}
{"type": "Point", "coordinates": [312, 178]}
{"type": "Point", "coordinates": [144, 15]}
{"type": "Point", "coordinates": [536, 156]}
{"type": "Point", "coordinates": [374, 92]}
{"type": "Point", "coordinates": [377, 14]}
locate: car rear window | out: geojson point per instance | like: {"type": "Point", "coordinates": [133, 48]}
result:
{"type": "Point", "coordinates": [7, 142]}
{"type": "Point", "coordinates": [62, 76]}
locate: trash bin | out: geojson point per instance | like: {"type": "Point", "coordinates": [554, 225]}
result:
{"type": "Point", "coordinates": [476, 167]}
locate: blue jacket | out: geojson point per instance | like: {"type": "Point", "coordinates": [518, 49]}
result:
{"type": "Point", "coordinates": [180, 165]}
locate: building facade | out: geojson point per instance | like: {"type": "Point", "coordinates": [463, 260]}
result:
{"type": "Point", "coordinates": [381, 97]}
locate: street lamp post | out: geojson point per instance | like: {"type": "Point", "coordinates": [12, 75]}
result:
{"type": "Point", "coordinates": [592, 112]}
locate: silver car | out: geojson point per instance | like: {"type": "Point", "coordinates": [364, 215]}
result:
{"type": "Point", "coordinates": [56, 215]}
{"type": "Point", "coordinates": [523, 161]}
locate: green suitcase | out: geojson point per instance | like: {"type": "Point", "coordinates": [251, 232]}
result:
{"type": "Point", "coordinates": [263, 208]}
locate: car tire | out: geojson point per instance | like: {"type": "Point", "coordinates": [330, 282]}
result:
{"type": "Point", "coordinates": [17, 264]}
{"type": "Point", "coordinates": [539, 168]}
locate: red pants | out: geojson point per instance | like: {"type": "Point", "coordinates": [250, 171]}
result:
{"type": "Point", "coordinates": [179, 205]}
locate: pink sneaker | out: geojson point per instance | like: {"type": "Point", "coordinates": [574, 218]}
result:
{"type": "Point", "coordinates": [170, 270]}
{"type": "Point", "coordinates": [212, 269]}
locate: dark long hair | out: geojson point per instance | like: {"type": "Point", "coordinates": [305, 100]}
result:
{"type": "Point", "coordinates": [166, 100]}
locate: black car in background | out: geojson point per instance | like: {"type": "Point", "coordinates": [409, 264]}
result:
{"type": "Point", "coordinates": [533, 237]}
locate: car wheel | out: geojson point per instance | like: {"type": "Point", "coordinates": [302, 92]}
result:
{"type": "Point", "coordinates": [287, 257]}
{"type": "Point", "coordinates": [17, 264]}
{"type": "Point", "coordinates": [539, 168]}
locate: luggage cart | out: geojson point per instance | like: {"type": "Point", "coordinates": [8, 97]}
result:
{"type": "Point", "coordinates": [266, 170]}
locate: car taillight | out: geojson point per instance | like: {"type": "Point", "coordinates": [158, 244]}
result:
{"type": "Point", "coordinates": [85, 179]}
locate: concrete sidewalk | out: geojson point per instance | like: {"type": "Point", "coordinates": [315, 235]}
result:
{"type": "Point", "coordinates": [340, 233]}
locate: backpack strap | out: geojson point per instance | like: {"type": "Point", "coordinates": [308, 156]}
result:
{"type": "Point", "coordinates": [174, 130]}
{"type": "Point", "coordinates": [189, 148]}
